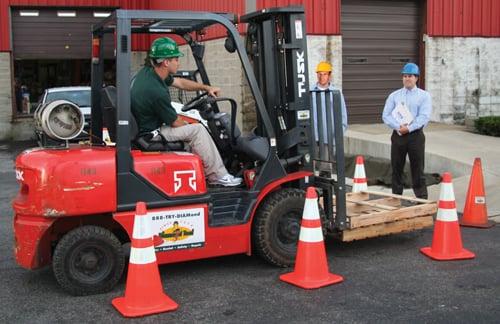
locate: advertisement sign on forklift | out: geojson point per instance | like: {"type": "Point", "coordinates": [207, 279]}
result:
{"type": "Point", "coordinates": [179, 229]}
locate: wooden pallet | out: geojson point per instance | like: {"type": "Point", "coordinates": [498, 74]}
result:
{"type": "Point", "coordinates": [373, 213]}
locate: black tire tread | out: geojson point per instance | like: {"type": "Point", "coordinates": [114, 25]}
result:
{"type": "Point", "coordinates": [72, 238]}
{"type": "Point", "coordinates": [261, 233]}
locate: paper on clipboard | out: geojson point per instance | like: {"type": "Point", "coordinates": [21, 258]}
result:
{"type": "Point", "coordinates": [402, 115]}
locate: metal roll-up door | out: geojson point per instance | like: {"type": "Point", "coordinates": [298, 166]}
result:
{"type": "Point", "coordinates": [378, 38]}
{"type": "Point", "coordinates": [48, 36]}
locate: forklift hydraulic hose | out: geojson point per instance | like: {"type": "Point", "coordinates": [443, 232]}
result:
{"type": "Point", "coordinates": [291, 161]}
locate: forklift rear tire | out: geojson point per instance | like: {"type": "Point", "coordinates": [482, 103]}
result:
{"type": "Point", "coordinates": [276, 226]}
{"type": "Point", "coordinates": [88, 260]}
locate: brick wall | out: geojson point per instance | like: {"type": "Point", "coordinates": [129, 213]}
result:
{"type": "Point", "coordinates": [137, 61]}
{"type": "Point", "coordinates": [462, 77]}
{"type": "Point", "coordinates": [5, 96]}
{"type": "Point", "coordinates": [224, 71]}
{"type": "Point", "coordinates": [249, 110]}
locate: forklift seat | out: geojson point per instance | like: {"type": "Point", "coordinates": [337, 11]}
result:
{"type": "Point", "coordinates": [145, 142]}
{"type": "Point", "coordinates": [254, 146]}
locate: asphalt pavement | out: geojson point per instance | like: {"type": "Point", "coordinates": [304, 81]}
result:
{"type": "Point", "coordinates": [386, 280]}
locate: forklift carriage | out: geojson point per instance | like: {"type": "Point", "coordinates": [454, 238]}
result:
{"type": "Point", "coordinates": [75, 208]}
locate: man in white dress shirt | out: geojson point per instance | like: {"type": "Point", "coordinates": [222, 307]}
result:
{"type": "Point", "coordinates": [408, 138]}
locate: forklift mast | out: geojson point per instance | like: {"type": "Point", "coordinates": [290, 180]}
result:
{"type": "Point", "coordinates": [276, 44]}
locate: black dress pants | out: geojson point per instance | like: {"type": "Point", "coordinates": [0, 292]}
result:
{"type": "Point", "coordinates": [412, 144]}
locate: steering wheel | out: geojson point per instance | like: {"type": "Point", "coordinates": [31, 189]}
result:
{"type": "Point", "coordinates": [199, 100]}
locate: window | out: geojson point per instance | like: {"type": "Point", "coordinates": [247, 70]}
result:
{"type": "Point", "coordinates": [79, 97]}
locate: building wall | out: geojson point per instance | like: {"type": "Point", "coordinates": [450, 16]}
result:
{"type": "Point", "coordinates": [473, 18]}
{"type": "Point", "coordinates": [462, 77]}
{"type": "Point", "coordinates": [137, 61]}
{"type": "Point", "coordinates": [322, 16]}
{"type": "Point", "coordinates": [325, 48]}
{"type": "Point", "coordinates": [237, 7]}
{"type": "Point", "coordinates": [224, 70]}
{"type": "Point", "coordinates": [462, 59]}
{"type": "Point", "coordinates": [5, 96]}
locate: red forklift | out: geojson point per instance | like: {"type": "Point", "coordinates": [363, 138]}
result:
{"type": "Point", "coordinates": [75, 207]}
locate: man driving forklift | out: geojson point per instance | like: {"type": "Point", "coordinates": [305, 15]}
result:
{"type": "Point", "coordinates": [152, 108]}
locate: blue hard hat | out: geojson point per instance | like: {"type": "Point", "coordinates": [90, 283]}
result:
{"type": "Point", "coordinates": [410, 68]}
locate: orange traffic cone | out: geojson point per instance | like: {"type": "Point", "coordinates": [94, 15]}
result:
{"type": "Point", "coordinates": [475, 212]}
{"type": "Point", "coordinates": [144, 292]}
{"type": "Point", "coordinates": [311, 267]}
{"type": "Point", "coordinates": [359, 180]}
{"type": "Point", "coordinates": [447, 241]}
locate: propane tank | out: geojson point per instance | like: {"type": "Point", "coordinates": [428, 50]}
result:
{"type": "Point", "coordinates": [60, 120]}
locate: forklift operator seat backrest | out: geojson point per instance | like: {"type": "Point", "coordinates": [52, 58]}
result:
{"type": "Point", "coordinates": [108, 102]}
{"type": "Point", "coordinates": [144, 143]}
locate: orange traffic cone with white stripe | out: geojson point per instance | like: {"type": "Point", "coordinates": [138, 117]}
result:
{"type": "Point", "coordinates": [311, 267]}
{"type": "Point", "coordinates": [475, 211]}
{"type": "Point", "coordinates": [144, 292]}
{"type": "Point", "coordinates": [447, 241]}
{"type": "Point", "coordinates": [359, 181]}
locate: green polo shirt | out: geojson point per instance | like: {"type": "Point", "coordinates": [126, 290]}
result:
{"type": "Point", "coordinates": [150, 100]}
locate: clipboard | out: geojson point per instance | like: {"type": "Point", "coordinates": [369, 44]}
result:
{"type": "Point", "coordinates": [402, 114]}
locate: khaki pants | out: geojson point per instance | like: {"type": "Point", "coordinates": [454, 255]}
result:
{"type": "Point", "coordinates": [201, 143]}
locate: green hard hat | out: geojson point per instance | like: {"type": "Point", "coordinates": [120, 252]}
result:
{"type": "Point", "coordinates": [164, 47]}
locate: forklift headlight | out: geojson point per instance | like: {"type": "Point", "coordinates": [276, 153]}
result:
{"type": "Point", "coordinates": [307, 157]}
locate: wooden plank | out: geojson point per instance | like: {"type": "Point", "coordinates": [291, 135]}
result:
{"type": "Point", "coordinates": [385, 194]}
{"type": "Point", "coordinates": [356, 196]}
{"type": "Point", "coordinates": [393, 215]}
{"type": "Point", "coordinates": [399, 226]}
{"type": "Point", "coordinates": [361, 210]}
{"type": "Point", "coordinates": [388, 201]}
{"type": "Point", "coordinates": [372, 204]}
{"type": "Point", "coordinates": [354, 209]}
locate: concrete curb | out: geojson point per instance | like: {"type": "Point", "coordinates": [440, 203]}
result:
{"type": "Point", "coordinates": [357, 143]}
{"type": "Point", "coordinates": [375, 142]}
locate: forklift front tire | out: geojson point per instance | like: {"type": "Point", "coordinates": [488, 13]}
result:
{"type": "Point", "coordinates": [276, 226]}
{"type": "Point", "coordinates": [88, 260]}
